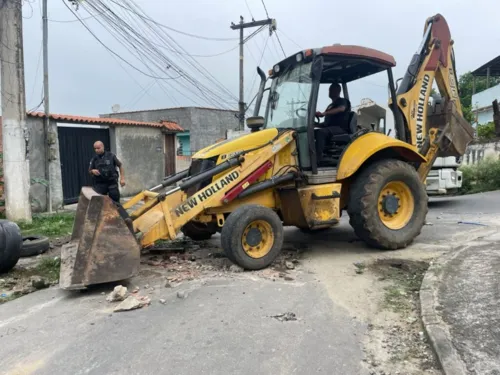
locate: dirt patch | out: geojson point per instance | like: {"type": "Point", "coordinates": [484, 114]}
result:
{"type": "Point", "coordinates": [23, 280]}
{"type": "Point", "coordinates": [395, 342]}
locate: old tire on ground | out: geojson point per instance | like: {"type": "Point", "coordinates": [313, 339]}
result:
{"type": "Point", "coordinates": [388, 205]}
{"type": "Point", "coordinates": [11, 242]}
{"type": "Point", "coordinates": [252, 236]}
{"type": "Point", "coordinates": [197, 231]}
{"type": "Point", "coordinates": [34, 245]}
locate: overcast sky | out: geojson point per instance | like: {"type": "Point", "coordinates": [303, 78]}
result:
{"type": "Point", "coordinates": [86, 80]}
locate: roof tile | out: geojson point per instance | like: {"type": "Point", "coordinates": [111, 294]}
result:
{"type": "Point", "coordinates": [108, 121]}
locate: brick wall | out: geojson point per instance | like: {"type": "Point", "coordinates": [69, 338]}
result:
{"type": "Point", "coordinates": [2, 201]}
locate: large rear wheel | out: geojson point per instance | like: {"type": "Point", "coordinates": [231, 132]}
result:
{"type": "Point", "coordinates": [252, 236]}
{"type": "Point", "coordinates": [388, 204]}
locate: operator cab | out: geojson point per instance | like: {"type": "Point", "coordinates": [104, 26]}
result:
{"type": "Point", "coordinates": [293, 95]}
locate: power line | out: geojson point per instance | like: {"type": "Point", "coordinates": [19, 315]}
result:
{"type": "Point", "coordinates": [265, 8]}
{"type": "Point", "coordinates": [144, 48]}
{"type": "Point", "coordinates": [258, 64]}
{"type": "Point", "coordinates": [37, 69]}
{"type": "Point", "coordinates": [281, 45]}
{"type": "Point", "coordinates": [111, 51]}
{"type": "Point", "coordinates": [175, 30]}
{"type": "Point", "coordinates": [290, 39]}
{"type": "Point", "coordinates": [192, 62]}
{"type": "Point", "coordinates": [249, 10]}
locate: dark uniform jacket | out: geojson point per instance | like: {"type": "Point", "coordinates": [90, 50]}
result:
{"type": "Point", "coordinates": [107, 165]}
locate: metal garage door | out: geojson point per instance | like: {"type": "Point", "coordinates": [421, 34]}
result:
{"type": "Point", "coordinates": [76, 150]}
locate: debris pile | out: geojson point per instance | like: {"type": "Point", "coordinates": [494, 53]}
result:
{"type": "Point", "coordinates": [185, 260]}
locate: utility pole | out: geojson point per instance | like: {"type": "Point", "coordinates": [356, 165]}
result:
{"type": "Point", "coordinates": [241, 26]}
{"type": "Point", "coordinates": [46, 104]}
{"type": "Point", "coordinates": [14, 132]}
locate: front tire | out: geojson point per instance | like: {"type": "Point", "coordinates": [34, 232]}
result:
{"type": "Point", "coordinates": [252, 236]}
{"type": "Point", "coordinates": [388, 205]}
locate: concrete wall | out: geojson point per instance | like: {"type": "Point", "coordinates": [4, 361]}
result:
{"type": "Point", "coordinates": [142, 153]}
{"type": "Point", "coordinates": [480, 151]}
{"type": "Point", "coordinates": [37, 160]}
{"type": "Point", "coordinates": [205, 125]}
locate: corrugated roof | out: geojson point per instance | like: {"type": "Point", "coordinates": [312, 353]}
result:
{"type": "Point", "coordinates": [172, 126]}
{"type": "Point", "coordinates": [494, 66]}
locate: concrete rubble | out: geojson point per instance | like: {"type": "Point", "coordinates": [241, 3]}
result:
{"type": "Point", "coordinates": [132, 303]}
{"type": "Point", "coordinates": [119, 293]}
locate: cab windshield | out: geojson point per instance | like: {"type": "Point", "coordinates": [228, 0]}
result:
{"type": "Point", "coordinates": [289, 98]}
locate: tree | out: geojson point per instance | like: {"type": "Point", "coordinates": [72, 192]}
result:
{"type": "Point", "coordinates": [465, 86]}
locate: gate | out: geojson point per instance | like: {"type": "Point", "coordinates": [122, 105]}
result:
{"type": "Point", "coordinates": [169, 154]}
{"type": "Point", "coordinates": [76, 150]}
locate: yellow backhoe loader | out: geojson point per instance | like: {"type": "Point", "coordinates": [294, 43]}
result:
{"type": "Point", "coordinates": [250, 187]}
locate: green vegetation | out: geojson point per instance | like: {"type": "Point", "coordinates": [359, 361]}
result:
{"type": "Point", "coordinates": [48, 268]}
{"type": "Point", "coordinates": [486, 132]}
{"type": "Point", "coordinates": [55, 225]}
{"type": "Point", "coordinates": [406, 277]}
{"type": "Point", "coordinates": [481, 177]}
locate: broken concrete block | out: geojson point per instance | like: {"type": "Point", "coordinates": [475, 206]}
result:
{"type": "Point", "coordinates": [132, 303]}
{"type": "Point", "coordinates": [118, 294]}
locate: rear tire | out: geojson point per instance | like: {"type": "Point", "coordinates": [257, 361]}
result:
{"type": "Point", "coordinates": [11, 242]}
{"type": "Point", "coordinates": [197, 231]}
{"type": "Point", "coordinates": [388, 205]}
{"type": "Point", "coordinates": [252, 236]}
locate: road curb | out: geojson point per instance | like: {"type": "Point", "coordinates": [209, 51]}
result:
{"type": "Point", "coordinates": [436, 329]}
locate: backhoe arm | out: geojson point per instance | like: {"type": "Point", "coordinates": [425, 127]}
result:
{"type": "Point", "coordinates": [434, 61]}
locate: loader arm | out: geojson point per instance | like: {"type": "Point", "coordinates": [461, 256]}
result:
{"type": "Point", "coordinates": [165, 214]}
{"type": "Point", "coordinates": [434, 61]}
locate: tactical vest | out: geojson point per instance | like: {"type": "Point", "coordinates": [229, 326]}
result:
{"type": "Point", "coordinates": [106, 167]}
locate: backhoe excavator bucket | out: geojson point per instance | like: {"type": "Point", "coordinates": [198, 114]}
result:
{"type": "Point", "coordinates": [102, 248]}
{"type": "Point", "coordinates": [457, 133]}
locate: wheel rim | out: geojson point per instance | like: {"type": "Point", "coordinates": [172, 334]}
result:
{"type": "Point", "coordinates": [258, 239]}
{"type": "Point", "coordinates": [395, 205]}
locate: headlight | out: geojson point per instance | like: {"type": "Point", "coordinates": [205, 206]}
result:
{"type": "Point", "coordinates": [276, 69]}
{"type": "Point", "coordinates": [299, 57]}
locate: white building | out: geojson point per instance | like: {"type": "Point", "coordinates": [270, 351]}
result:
{"type": "Point", "coordinates": [482, 101]}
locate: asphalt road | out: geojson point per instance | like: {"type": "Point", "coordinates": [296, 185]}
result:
{"type": "Point", "coordinates": [222, 327]}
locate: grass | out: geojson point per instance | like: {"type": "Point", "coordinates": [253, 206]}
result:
{"type": "Point", "coordinates": [55, 225]}
{"type": "Point", "coordinates": [49, 268]}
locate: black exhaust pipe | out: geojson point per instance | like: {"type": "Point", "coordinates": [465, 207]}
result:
{"type": "Point", "coordinates": [267, 184]}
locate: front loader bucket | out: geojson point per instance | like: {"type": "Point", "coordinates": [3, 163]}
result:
{"type": "Point", "coordinates": [457, 133]}
{"type": "Point", "coordinates": [102, 248]}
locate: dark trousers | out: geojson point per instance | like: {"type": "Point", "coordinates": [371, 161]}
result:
{"type": "Point", "coordinates": [324, 137]}
{"type": "Point", "coordinates": [108, 188]}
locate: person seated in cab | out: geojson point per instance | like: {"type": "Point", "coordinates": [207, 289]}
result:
{"type": "Point", "coordinates": [336, 120]}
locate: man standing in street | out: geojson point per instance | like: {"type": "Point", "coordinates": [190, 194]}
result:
{"type": "Point", "coordinates": [103, 168]}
